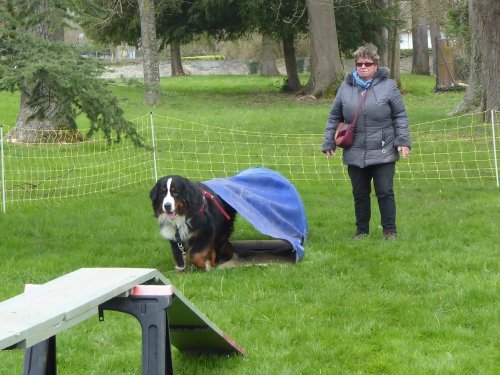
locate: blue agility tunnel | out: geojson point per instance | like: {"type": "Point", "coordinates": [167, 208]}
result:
{"type": "Point", "coordinates": [269, 202]}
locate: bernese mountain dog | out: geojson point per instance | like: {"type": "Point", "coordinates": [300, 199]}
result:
{"type": "Point", "coordinates": [195, 220]}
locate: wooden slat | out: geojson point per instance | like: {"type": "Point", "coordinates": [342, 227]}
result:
{"type": "Point", "coordinates": [50, 308]}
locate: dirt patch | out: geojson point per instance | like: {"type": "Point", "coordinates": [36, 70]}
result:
{"type": "Point", "coordinates": [134, 70]}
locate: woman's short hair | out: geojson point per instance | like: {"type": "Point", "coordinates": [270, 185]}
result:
{"type": "Point", "coordinates": [368, 50]}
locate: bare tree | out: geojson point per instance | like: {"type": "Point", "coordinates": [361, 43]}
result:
{"type": "Point", "coordinates": [326, 66]}
{"type": "Point", "coordinates": [152, 88]}
{"type": "Point", "coordinates": [268, 57]}
{"type": "Point", "coordinates": [176, 59]}
{"type": "Point", "coordinates": [420, 62]}
{"type": "Point", "coordinates": [383, 50]}
{"type": "Point", "coordinates": [393, 46]}
{"type": "Point", "coordinates": [484, 79]}
{"type": "Point", "coordinates": [293, 80]}
{"type": "Point", "coordinates": [436, 16]}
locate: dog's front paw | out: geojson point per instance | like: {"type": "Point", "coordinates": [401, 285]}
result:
{"type": "Point", "coordinates": [208, 265]}
{"type": "Point", "coordinates": [180, 269]}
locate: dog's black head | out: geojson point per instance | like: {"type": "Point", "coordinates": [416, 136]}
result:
{"type": "Point", "coordinates": [173, 196]}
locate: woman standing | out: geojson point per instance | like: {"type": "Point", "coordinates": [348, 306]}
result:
{"type": "Point", "coordinates": [381, 135]}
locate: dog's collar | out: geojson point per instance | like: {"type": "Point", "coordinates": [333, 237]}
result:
{"type": "Point", "coordinates": [206, 194]}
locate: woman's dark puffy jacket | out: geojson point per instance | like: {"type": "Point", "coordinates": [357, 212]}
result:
{"type": "Point", "coordinates": [382, 125]}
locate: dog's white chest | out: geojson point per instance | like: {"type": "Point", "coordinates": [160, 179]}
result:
{"type": "Point", "coordinates": [175, 229]}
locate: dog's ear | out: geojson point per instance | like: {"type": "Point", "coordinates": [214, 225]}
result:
{"type": "Point", "coordinates": [192, 188]}
{"type": "Point", "coordinates": [153, 194]}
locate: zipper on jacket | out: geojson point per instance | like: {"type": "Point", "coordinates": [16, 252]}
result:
{"type": "Point", "coordinates": [383, 142]}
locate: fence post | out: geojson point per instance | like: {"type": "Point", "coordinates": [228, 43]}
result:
{"type": "Point", "coordinates": [153, 142]}
{"type": "Point", "coordinates": [2, 166]}
{"type": "Point", "coordinates": [494, 145]}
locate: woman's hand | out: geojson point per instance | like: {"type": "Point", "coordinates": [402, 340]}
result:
{"type": "Point", "coordinates": [404, 151]}
{"type": "Point", "coordinates": [330, 153]}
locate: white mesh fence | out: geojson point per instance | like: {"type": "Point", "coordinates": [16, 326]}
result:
{"type": "Point", "coordinates": [458, 150]}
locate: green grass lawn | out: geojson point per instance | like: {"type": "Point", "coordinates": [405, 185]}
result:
{"type": "Point", "coordinates": [424, 304]}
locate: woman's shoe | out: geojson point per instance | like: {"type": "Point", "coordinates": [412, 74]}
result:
{"type": "Point", "coordinates": [389, 235]}
{"type": "Point", "coordinates": [359, 235]}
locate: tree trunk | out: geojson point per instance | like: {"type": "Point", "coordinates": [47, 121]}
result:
{"type": "Point", "coordinates": [394, 48]}
{"type": "Point", "coordinates": [489, 38]}
{"type": "Point", "coordinates": [420, 62]}
{"type": "Point", "coordinates": [435, 35]}
{"type": "Point", "coordinates": [383, 50]}
{"type": "Point", "coordinates": [268, 58]}
{"type": "Point", "coordinates": [384, 47]}
{"type": "Point", "coordinates": [151, 67]}
{"type": "Point", "coordinates": [326, 66]}
{"type": "Point", "coordinates": [474, 94]}
{"type": "Point", "coordinates": [294, 84]}
{"type": "Point", "coordinates": [176, 59]}
{"type": "Point", "coordinates": [30, 128]}
{"type": "Point", "coordinates": [484, 77]}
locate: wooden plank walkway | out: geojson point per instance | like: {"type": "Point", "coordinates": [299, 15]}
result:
{"type": "Point", "coordinates": [47, 309]}
{"type": "Point", "coordinates": [50, 308]}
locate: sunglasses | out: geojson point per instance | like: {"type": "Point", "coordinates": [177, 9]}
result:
{"type": "Point", "coordinates": [367, 64]}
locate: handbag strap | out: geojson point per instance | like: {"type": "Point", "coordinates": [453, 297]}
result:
{"type": "Point", "coordinates": [364, 94]}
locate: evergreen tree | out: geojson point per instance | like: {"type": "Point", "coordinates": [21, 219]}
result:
{"type": "Point", "coordinates": [55, 82]}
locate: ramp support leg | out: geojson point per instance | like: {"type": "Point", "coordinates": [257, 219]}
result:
{"type": "Point", "coordinates": [151, 312]}
{"type": "Point", "coordinates": [40, 359]}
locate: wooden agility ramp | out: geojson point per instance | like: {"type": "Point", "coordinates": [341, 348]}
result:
{"type": "Point", "coordinates": [32, 320]}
